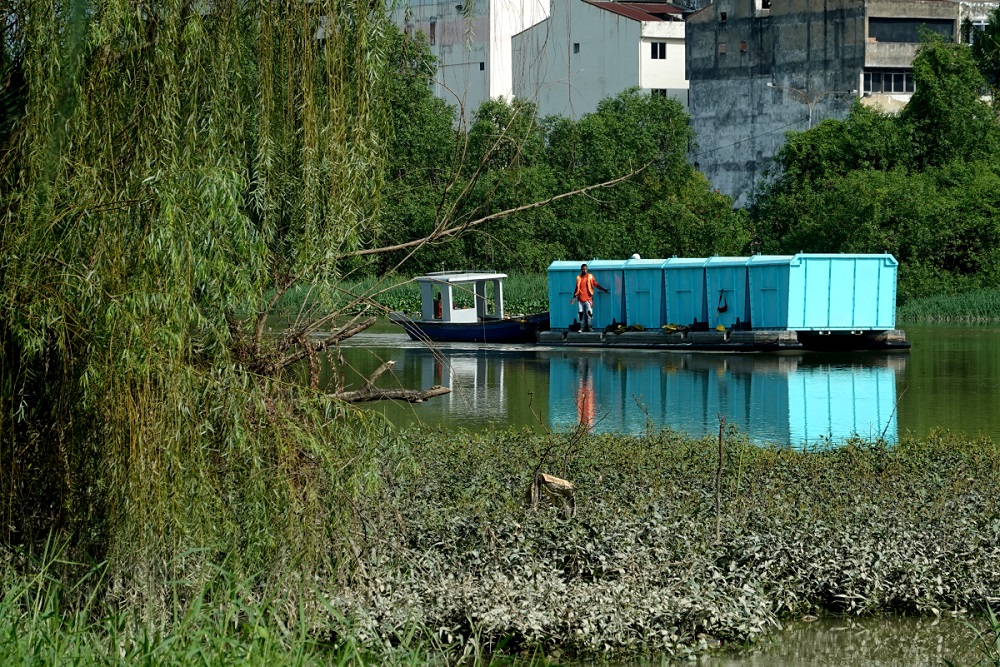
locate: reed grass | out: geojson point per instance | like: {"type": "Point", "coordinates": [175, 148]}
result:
{"type": "Point", "coordinates": [975, 306]}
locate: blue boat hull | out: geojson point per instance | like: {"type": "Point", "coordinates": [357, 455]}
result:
{"type": "Point", "coordinates": [508, 330]}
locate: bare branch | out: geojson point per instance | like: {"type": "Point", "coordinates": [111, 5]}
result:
{"type": "Point", "coordinates": [443, 232]}
{"type": "Point", "coordinates": [409, 395]}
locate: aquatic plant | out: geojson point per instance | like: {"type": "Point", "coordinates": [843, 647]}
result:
{"type": "Point", "coordinates": [863, 529]}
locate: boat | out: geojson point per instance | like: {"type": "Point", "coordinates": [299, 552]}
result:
{"type": "Point", "coordinates": [441, 319]}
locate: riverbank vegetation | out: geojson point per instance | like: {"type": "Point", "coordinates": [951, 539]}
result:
{"type": "Point", "coordinates": [452, 562]}
{"type": "Point", "coordinates": [923, 184]}
{"type": "Point", "coordinates": [975, 306]}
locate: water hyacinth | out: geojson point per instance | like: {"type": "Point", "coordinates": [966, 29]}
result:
{"type": "Point", "coordinates": [859, 530]}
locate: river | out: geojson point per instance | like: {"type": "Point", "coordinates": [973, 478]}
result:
{"type": "Point", "coordinates": [950, 379]}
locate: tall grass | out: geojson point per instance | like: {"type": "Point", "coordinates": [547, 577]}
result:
{"type": "Point", "coordinates": [52, 612]}
{"type": "Point", "coordinates": [976, 306]}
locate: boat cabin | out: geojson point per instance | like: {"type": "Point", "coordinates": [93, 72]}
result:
{"type": "Point", "coordinates": [441, 291]}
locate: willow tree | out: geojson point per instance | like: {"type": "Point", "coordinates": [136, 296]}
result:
{"type": "Point", "coordinates": [174, 164]}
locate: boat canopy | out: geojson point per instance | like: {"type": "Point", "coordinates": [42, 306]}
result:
{"type": "Point", "coordinates": [440, 288]}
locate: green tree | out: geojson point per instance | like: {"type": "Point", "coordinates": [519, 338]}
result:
{"type": "Point", "coordinates": [986, 51]}
{"type": "Point", "coordinates": [173, 169]}
{"type": "Point", "coordinates": [946, 116]}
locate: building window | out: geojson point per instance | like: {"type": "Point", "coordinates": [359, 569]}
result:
{"type": "Point", "coordinates": [762, 8]}
{"type": "Point", "coordinates": [659, 50]}
{"type": "Point", "coordinates": [894, 81]}
{"type": "Point", "coordinates": [722, 48]}
{"type": "Point", "coordinates": [907, 30]}
{"type": "Point", "coordinates": [576, 47]}
{"type": "Point", "coordinates": [433, 32]}
{"type": "Point", "coordinates": [723, 16]}
{"type": "Point", "coordinates": [659, 92]}
{"type": "Point", "coordinates": [482, 67]}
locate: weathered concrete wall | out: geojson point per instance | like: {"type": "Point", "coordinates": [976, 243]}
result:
{"type": "Point", "coordinates": [576, 58]}
{"type": "Point", "coordinates": [813, 54]}
{"type": "Point", "coordinates": [473, 46]}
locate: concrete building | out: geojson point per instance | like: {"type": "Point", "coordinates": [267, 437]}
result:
{"type": "Point", "coordinates": [472, 42]}
{"type": "Point", "coordinates": [587, 50]}
{"type": "Point", "coordinates": [758, 69]}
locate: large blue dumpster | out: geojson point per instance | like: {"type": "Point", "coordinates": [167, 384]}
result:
{"type": "Point", "coordinates": [823, 292]}
{"type": "Point", "coordinates": [727, 292]}
{"type": "Point", "coordinates": [842, 292]}
{"type": "Point", "coordinates": [562, 283]}
{"type": "Point", "coordinates": [684, 291]}
{"type": "Point", "coordinates": [609, 274]}
{"type": "Point", "coordinates": [645, 301]}
{"type": "Point", "coordinates": [608, 308]}
{"type": "Point", "coordinates": [768, 275]}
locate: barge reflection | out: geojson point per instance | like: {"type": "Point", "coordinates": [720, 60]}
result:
{"type": "Point", "coordinates": [795, 400]}
{"type": "Point", "coordinates": [801, 400]}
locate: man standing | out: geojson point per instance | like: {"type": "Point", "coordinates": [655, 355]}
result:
{"type": "Point", "coordinates": [584, 296]}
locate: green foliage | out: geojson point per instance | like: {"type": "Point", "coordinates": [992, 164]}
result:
{"type": "Point", "coordinates": [945, 113]}
{"type": "Point", "coordinates": [172, 167]}
{"type": "Point", "coordinates": [922, 185]}
{"type": "Point", "coordinates": [508, 160]}
{"type": "Point", "coordinates": [986, 50]}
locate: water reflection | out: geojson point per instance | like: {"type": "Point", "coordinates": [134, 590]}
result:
{"type": "Point", "coordinates": [795, 400]}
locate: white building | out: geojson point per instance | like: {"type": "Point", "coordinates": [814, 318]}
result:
{"type": "Point", "coordinates": [472, 42]}
{"type": "Point", "coordinates": [586, 51]}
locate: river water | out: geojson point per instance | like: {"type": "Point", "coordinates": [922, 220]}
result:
{"type": "Point", "coordinates": [950, 379]}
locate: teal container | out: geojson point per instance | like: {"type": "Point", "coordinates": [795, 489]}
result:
{"type": "Point", "coordinates": [823, 292]}
{"type": "Point", "coordinates": [645, 295]}
{"type": "Point", "coordinates": [684, 292]}
{"type": "Point", "coordinates": [610, 307]}
{"type": "Point", "coordinates": [842, 292]}
{"type": "Point", "coordinates": [727, 292]}
{"type": "Point", "coordinates": [562, 283]}
{"type": "Point", "coordinates": [769, 275]}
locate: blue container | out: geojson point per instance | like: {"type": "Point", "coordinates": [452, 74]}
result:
{"type": "Point", "coordinates": [645, 298]}
{"type": "Point", "coordinates": [842, 292]}
{"type": "Point", "coordinates": [728, 293]}
{"type": "Point", "coordinates": [608, 308]}
{"type": "Point", "coordinates": [562, 284]}
{"type": "Point", "coordinates": [684, 291]}
{"type": "Point", "coordinates": [768, 275]}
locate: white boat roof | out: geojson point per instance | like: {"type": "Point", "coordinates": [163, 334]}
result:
{"type": "Point", "coordinates": [458, 277]}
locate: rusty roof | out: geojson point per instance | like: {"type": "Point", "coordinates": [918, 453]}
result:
{"type": "Point", "coordinates": [644, 11]}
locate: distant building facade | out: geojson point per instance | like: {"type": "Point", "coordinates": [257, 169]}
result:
{"type": "Point", "coordinates": [472, 42]}
{"type": "Point", "coordinates": [588, 50]}
{"type": "Point", "coordinates": [760, 68]}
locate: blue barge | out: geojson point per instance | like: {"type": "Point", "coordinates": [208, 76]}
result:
{"type": "Point", "coordinates": [759, 303]}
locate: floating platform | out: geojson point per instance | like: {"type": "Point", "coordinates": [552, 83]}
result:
{"type": "Point", "coordinates": [730, 341]}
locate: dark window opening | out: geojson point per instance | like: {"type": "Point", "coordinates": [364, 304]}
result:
{"type": "Point", "coordinates": [576, 47]}
{"type": "Point", "coordinates": [658, 50]}
{"type": "Point", "coordinates": [433, 33]}
{"type": "Point", "coordinates": [907, 31]}
{"type": "Point", "coordinates": [659, 92]}
{"type": "Point", "coordinates": [723, 16]}
{"type": "Point", "coordinates": [482, 67]}
{"type": "Point", "coordinates": [743, 46]}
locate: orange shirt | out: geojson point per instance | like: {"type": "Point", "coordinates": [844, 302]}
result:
{"type": "Point", "coordinates": [585, 287]}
